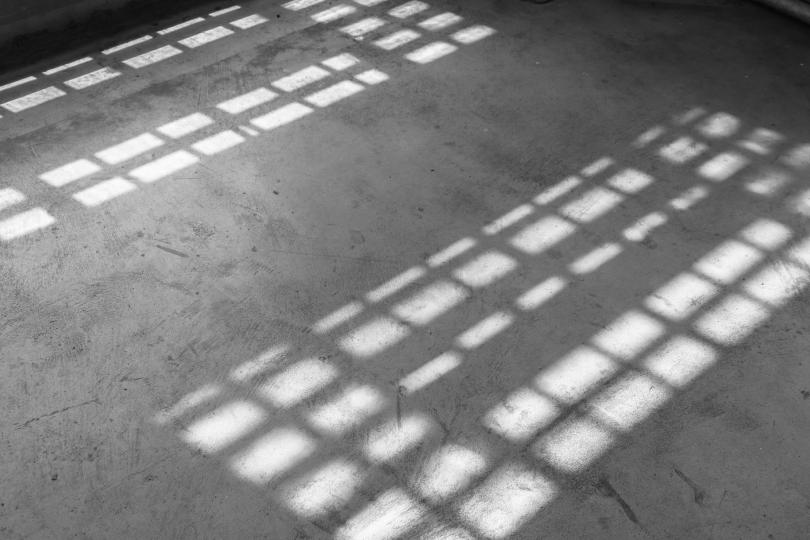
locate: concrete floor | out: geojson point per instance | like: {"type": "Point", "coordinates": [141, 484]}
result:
{"type": "Point", "coordinates": [547, 285]}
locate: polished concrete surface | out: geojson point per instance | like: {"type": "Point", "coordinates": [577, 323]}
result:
{"type": "Point", "coordinates": [337, 271]}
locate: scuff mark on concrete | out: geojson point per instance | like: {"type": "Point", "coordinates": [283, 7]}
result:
{"type": "Point", "coordinates": [172, 251]}
{"type": "Point", "coordinates": [606, 489]}
{"type": "Point", "coordinates": [699, 494]}
{"type": "Point", "coordinates": [54, 413]}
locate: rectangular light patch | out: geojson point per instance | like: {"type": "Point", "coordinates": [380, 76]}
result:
{"type": "Point", "coordinates": [395, 284]}
{"type": "Point", "coordinates": [541, 293]}
{"type": "Point", "coordinates": [104, 191]}
{"type": "Point", "coordinates": [473, 34]}
{"type": "Point", "coordinates": [682, 150]}
{"type": "Point", "coordinates": [152, 57]}
{"type": "Point", "coordinates": [163, 167]}
{"type": "Point", "coordinates": [268, 360]}
{"type": "Point", "coordinates": [220, 142]}
{"type": "Point", "coordinates": [281, 116]}
{"type": "Point", "coordinates": [69, 65]}
{"type": "Point", "coordinates": [18, 83]}
{"type": "Point", "coordinates": [188, 402]}
{"type": "Point", "coordinates": [630, 181]}
{"type": "Point", "coordinates": [630, 400]}
{"type": "Point", "coordinates": [341, 61]}
{"type": "Point", "coordinates": [766, 234]}
{"type": "Point", "coordinates": [643, 226]}
{"type": "Point", "coordinates": [129, 149]}
{"type": "Point", "coordinates": [363, 27]}
{"type": "Point", "coordinates": [224, 11]}
{"type": "Point", "coordinates": [301, 78]}
{"type": "Point", "coordinates": [628, 335]}
{"type": "Point", "coordinates": [397, 39]}
{"type": "Point", "coordinates": [483, 331]}
{"type": "Point", "coordinates": [249, 22]}
{"type": "Point", "coordinates": [575, 374]}
{"type": "Point", "coordinates": [25, 223]}
{"type": "Point", "coordinates": [334, 93]}
{"type": "Point", "coordinates": [732, 320]}
{"type": "Point", "coordinates": [297, 382]}
{"type": "Point", "coordinates": [761, 141]}
{"type": "Point", "coordinates": [507, 499]}
{"type": "Point", "coordinates": [728, 261]}
{"type": "Point", "coordinates": [573, 445]}
{"type": "Point", "coordinates": [347, 410]}
{"type": "Point", "coordinates": [680, 361]}
{"type": "Point", "coordinates": [92, 78]}
{"type": "Point", "coordinates": [9, 197]}
{"type": "Point", "coordinates": [689, 198]}
{"type": "Point", "coordinates": [777, 283]}
{"type": "Point", "coordinates": [558, 190]}
{"type": "Point", "coordinates": [719, 125]}
{"type": "Point", "coordinates": [69, 173]}
{"type": "Point", "coordinates": [592, 205]}
{"type": "Point", "coordinates": [197, 40]}
{"type": "Point", "coordinates": [272, 455]}
{"type": "Point", "coordinates": [723, 166]}
{"type": "Point", "coordinates": [598, 166]}
{"type": "Point", "coordinates": [184, 126]}
{"type": "Point", "coordinates": [451, 252]}
{"type": "Point", "coordinates": [508, 219]}
{"type": "Point", "coordinates": [324, 490]}
{"type": "Point", "coordinates": [408, 9]}
{"type": "Point", "coordinates": [372, 77]}
{"type": "Point", "coordinates": [593, 260]}
{"type": "Point", "coordinates": [681, 296]}
{"type": "Point", "coordinates": [542, 234]}
{"type": "Point", "coordinates": [223, 426]}
{"type": "Point", "coordinates": [180, 26]}
{"type": "Point", "coordinates": [338, 317]}
{"type": "Point", "coordinates": [33, 99]}
{"type": "Point", "coordinates": [127, 45]}
{"type": "Point", "coordinates": [485, 269]}
{"type": "Point", "coordinates": [437, 22]}
{"type": "Point", "coordinates": [522, 414]}
{"type": "Point", "coordinates": [649, 136]}
{"type": "Point", "coordinates": [448, 471]}
{"type": "Point", "coordinates": [296, 5]}
{"type": "Point", "coordinates": [430, 372]}
{"type": "Point", "coordinates": [391, 439]}
{"type": "Point", "coordinates": [430, 302]}
{"type": "Point", "coordinates": [373, 337]}
{"type": "Point", "coordinates": [334, 13]}
{"type": "Point", "coordinates": [431, 52]}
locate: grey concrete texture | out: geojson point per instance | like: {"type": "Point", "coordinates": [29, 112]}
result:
{"type": "Point", "coordinates": [665, 142]}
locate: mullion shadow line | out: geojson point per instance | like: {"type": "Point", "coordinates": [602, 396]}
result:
{"type": "Point", "coordinates": [481, 241]}
{"type": "Point", "coordinates": [580, 186]}
{"type": "Point", "coordinates": [380, 475]}
{"type": "Point", "coordinates": [403, 32]}
{"type": "Point", "coordinates": [83, 168]}
{"type": "Point", "coordinates": [104, 70]}
{"type": "Point", "coordinates": [643, 349]}
{"type": "Point", "coordinates": [227, 115]}
{"type": "Point", "coordinates": [38, 218]}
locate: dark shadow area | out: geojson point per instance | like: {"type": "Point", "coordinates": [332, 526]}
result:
{"type": "Point", "coordinates": [101, 29]}
{"type": "Point", "coordinates": [300, 302]}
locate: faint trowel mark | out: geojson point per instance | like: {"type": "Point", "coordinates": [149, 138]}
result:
{"type": "Point", "coordinates": [356, 238]}
{"type": "Point", "coordinates": [699, 494]}
{"type": "Point", "coordinates": [172, 251]}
